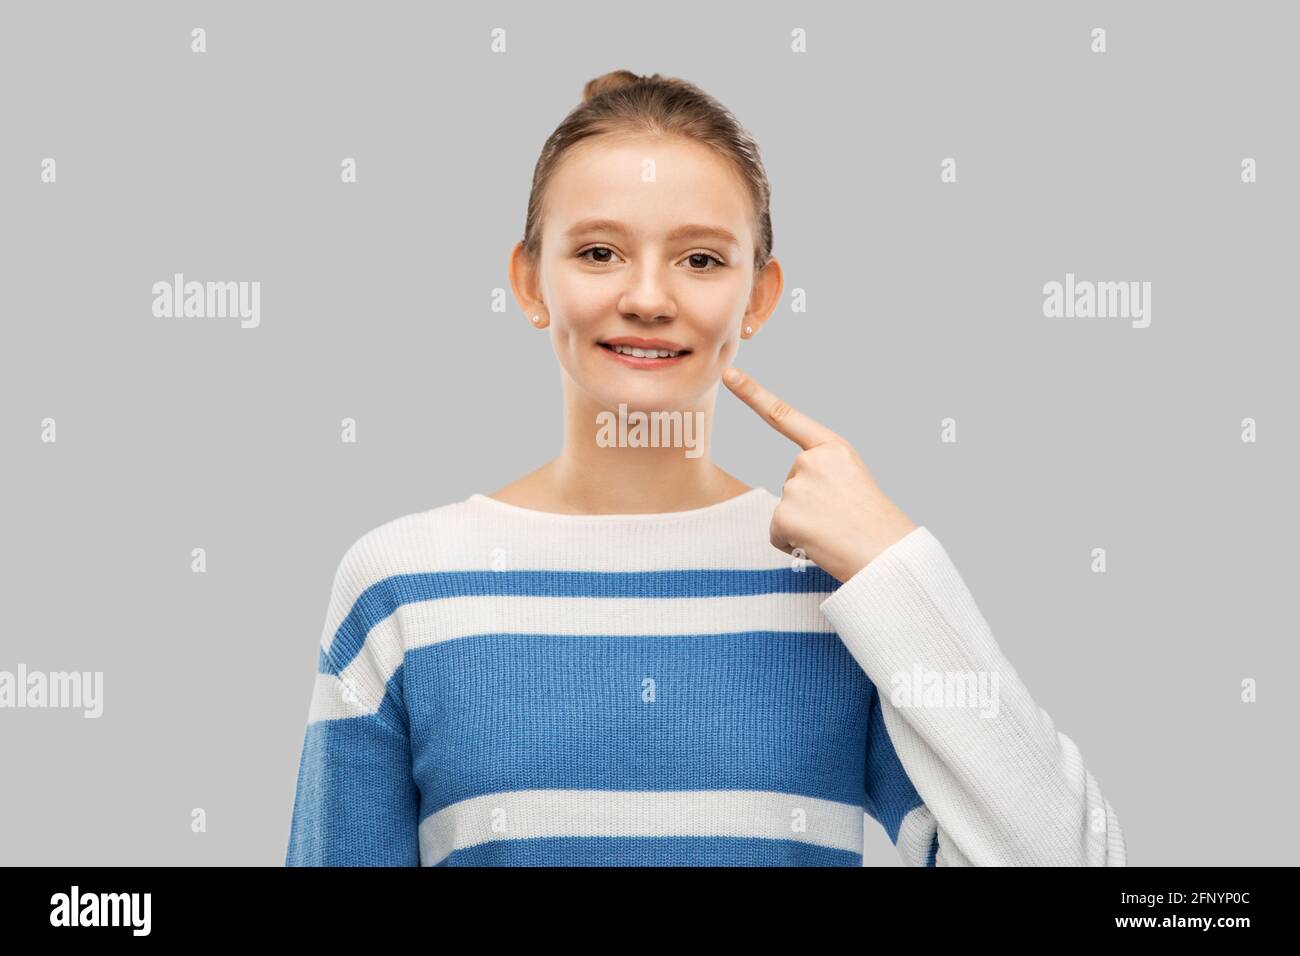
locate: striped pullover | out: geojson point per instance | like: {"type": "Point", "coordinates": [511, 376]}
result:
{"type": "Point", "coordinates": [500, 686]}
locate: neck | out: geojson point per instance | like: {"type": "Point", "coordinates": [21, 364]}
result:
{"type": "Point", "coordinates": [610, 463]}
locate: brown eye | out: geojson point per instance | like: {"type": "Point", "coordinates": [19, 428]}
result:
{"type": "Point", "coordinates": [604, 249]}
{"type": "Point", "coordinates": [703, 259]}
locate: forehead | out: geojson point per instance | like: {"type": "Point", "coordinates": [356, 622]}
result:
{"type": "Point", "coordinates": [649, 182]}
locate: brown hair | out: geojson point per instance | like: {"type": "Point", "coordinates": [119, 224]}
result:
{"type": "Point", "coordinates": [623, 102]}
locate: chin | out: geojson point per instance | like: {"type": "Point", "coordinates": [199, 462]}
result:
{"type": "Point", "coordinates": [645, 398]}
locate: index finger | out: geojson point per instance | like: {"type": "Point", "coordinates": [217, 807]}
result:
{"type": "Point", "coordinates": [789, 421]}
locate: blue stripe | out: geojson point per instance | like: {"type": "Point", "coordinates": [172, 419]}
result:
{"type": "Point", "coordinates": [384, 597]}
{"type": "Point", "coordinates": [355, 803]}
{"type": "Point", "coordinates": [650, 851]}
{"type": "Point", "coordinates": [890, 795]}
{"type": "Point", "coordinates": [763, 710]}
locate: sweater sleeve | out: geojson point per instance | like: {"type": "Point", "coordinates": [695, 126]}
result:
{"type": "Point", "coordinates": [961, 776]}
{"type": "Point", "coordinates": [356, 802]}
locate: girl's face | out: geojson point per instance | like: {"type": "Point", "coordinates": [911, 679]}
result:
{"type": "Point", "coordinates": [648, 238]}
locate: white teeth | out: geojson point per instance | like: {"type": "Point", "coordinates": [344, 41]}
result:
{"type": "Point", "coordinates": [644, 353]}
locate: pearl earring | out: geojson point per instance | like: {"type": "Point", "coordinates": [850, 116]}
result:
{"type": "Point", "coordinates": [749, 330]}
{"type": "Point", "coordinates": [536, 319]}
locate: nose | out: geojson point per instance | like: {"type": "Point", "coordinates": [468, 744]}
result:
{"type": "Point", "coordinates": [647, 296]}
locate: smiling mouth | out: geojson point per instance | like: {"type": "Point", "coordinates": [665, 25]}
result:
{"type": "Point", "coordinates": [660, 355]}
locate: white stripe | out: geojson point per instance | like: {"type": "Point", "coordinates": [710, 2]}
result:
{"type": "Point", "coordinates": [528, 814]}
{"type": "Point", "coordinates": [428, 622]}
{"type": "Point", "coordinates": [477, 535]}
{"type": "Point", "coordinates": [916, 836]}
{"type": "Point", "coordinates": [948, 854]}
{"type": "Point", "coordinates": [328, 701]}
{"type": "Point", "coordinates": [423, 623]}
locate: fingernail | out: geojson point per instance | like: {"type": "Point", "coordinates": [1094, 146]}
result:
{"type": "Point", "coordinates": [731, 376]}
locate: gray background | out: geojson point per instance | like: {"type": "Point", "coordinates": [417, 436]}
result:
{"type": "Point", "coordinates": [925, 301]}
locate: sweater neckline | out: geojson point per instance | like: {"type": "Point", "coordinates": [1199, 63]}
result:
{"type": "Point", "coordinates": [649, 516]}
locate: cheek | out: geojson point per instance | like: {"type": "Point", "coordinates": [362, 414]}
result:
{"type": "Point", "coordinates": [727, 354]}
{"type": "Point", "coordinates": [580, 302]}
{"type": "Point", "coordinates": [726, 311]}
{"type": "Point", "coordinates": [716, 310]}
{"type": "Point", "coordinates": [724, 300]}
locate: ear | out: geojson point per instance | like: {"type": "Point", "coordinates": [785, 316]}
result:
{"type": "Point", "coordinates": [525, 282]}
{"type": "Point", "coordinates": [763, 297]}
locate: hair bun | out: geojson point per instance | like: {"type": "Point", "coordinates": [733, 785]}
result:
{"type": "Point", "coordinates": [613, 80]}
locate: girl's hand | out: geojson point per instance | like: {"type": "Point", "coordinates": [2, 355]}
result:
{"type": "Point", "coordinates": [831, 507]}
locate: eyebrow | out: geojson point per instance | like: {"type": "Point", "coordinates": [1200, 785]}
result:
{"type": "Point", "coordinates": [681, 232]}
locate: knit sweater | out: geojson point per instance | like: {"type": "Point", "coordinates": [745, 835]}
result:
{"type": "Point", "coordinates": [499, 686]}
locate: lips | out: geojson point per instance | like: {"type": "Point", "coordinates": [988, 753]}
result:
{"type": "Point", "coordinates": [647, 359]}
{"type": "Point", "coordinates": [636, 342]}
